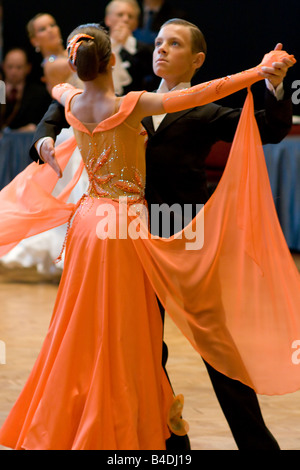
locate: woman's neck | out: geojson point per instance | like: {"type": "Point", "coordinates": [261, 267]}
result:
{"type": "Point", "coordinates": [102, 85]}
{"type": "Point", "coordinates": [97, 102]}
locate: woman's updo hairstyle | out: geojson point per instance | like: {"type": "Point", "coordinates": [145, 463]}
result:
{"type": "Point", "coordinates": [92, 55]}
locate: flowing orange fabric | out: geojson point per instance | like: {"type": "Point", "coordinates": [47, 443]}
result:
{"type": "Point", "coordinates": [242, 286]}
{"type": "Point", "coordinates": [98, 382]}
{"type": "Point", "coordinates": [27, 206]}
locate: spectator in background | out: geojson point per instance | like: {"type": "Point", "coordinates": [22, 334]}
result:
{"type": "Point", "coordinates": [133, 69]}
{"type": "Point", "coordinates": [154, 14]}
{"type": "Point", "coordinates": [45, 36]}
{"type": "Point", "coordinates": [26, 101]}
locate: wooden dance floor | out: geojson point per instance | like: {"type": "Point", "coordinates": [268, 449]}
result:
{"type": "Point", "coordinates": [26, 304]}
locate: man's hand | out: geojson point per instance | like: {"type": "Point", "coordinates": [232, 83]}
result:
{"type": "Point", "coordinates": [278, 71]}
{"type": "Point", "coordinates": [47, 154]}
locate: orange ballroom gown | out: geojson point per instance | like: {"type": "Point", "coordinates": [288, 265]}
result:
{"type": "Point", "coordinates": [98, 382]}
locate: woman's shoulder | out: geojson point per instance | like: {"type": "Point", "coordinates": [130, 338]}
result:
{"type": "Point", "coordinates": [130, 100]}
{"type": "Point", "coordinates": [129, 109]}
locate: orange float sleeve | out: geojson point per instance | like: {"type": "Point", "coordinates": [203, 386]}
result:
{"type": "Point", "coordinates": [213, 90]}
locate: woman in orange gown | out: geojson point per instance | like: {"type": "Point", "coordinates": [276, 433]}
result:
{"type": "Point", "coordinates": [98, 382]}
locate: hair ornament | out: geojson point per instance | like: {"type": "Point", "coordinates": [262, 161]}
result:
{"type": "Point", "coordinates": [74, 43]}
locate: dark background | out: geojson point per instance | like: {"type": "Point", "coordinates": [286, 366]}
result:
{"type": "Point", "coordinates": [238, 32]}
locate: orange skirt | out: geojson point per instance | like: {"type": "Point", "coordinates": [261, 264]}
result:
{"type": "Point", "coordinates": [98, 382]}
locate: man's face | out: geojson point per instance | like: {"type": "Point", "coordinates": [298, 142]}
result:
{"type": "Point", "coordinates": [122, 13]}
{"type": "Point", "coordinates": [173, 57]}
{"type": "Point", "coordinates": [15, 67]}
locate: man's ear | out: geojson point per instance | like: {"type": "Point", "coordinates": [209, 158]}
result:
{"type": "Point", "coordinates": [199, 60]}
{"type": "Point", "coordinates": [112, 60]}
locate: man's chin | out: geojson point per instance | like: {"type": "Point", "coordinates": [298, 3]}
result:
{"type": "Point", "coordinates": [161, 73]}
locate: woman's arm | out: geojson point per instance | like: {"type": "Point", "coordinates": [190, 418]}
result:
{"type": "Point", "coordinates": [160, 103]}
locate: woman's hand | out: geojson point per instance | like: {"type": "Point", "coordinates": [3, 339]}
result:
{"type": "Point", "coordinates": [275, 65]}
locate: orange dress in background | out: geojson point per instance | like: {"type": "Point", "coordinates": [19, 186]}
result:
{"type": "Point", "coordinates": [98, 382]}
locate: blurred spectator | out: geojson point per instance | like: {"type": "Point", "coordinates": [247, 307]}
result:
{"type": "Point", "coordinates": [45, 37]}
{"type": "Point", "coordinates": [154, 14]}
{"type": "Point", "coordinates": [133, 69]}
{"type": "Point", "coordinates": [26, 101]}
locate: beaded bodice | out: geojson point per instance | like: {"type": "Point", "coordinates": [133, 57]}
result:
{"type": "Point", "coordinates": [113, 152]}
{"type": "Point", "coordinates": [114, 161]}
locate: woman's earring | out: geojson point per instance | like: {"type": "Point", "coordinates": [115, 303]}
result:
{"type": "Point", "coordinates": [37, 49]}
